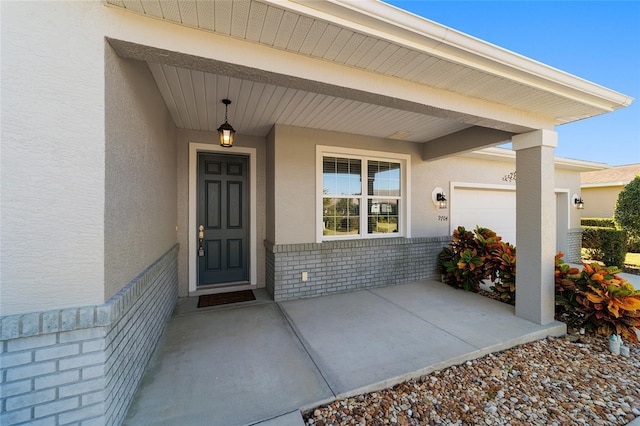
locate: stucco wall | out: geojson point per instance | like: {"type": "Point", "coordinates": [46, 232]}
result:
{"type": "Point", "coordinates": [270, 180]}
{"type": "Point", "coordinates": [295, 176]}
{"type": "Point", "coordinates": [600, 201]}
{"type": "Point", "coordinates": [184, 137]}
{"type": "Point", "coordinates": [52, 155]}
{"type": "Point", "coordinates": [441, 173]}
{"type": "Point", "coordinates": [570, 180]}
{"type": "Point", "coordinates": [140, 190]}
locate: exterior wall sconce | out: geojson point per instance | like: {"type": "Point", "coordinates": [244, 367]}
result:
{"type": "Point", "coordinates": [439, 198]}
{"type": "Point", "coordinates": [225, 131]}
{"type": "Point", "coordinates": [578, 202]}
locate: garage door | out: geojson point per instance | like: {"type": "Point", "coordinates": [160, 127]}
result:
{"type": "Point", "coordinates": [490, 208]}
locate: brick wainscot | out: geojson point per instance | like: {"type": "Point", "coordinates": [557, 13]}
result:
{"type": "Point", "coordinates": [82, 365]}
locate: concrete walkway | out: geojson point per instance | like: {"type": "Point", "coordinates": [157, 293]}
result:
{"type": "Point", "coordinates": [262, 362]}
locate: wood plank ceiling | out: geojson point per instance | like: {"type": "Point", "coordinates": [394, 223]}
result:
{"type": "Point", "coordinates": [193, 97]}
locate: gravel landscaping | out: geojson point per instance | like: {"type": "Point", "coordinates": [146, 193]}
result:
{"type": "Point", "coordinates": [573, 380]}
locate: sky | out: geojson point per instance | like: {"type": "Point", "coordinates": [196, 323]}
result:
{"type": "Point", "coordinates": [598, 41]}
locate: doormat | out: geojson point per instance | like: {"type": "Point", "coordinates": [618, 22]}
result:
{"type": "Point", "coordinates": [225, 298]}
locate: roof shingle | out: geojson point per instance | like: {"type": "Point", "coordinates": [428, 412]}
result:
{"type": "Point", "coordinates": [614, 174]}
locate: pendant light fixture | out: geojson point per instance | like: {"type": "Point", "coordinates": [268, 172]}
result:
{"type": "Point", "coordinates": [225, 131]}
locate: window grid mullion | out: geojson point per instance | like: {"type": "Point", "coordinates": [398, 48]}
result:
{"type": "Point", "coordinates": [364, 202]}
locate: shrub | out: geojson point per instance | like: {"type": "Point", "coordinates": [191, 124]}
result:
{"type": "Point", "coordinates": [597, 298]}
{"type": "Point", "coordinates": [567, 307]}
{"type": "Point", "coordinates": [503, 260]}
{"type": "Point", "coordinates": [590, 238]}
{"type": "Point", "coordinates": [608, 245]}
{"type": "Point", "coordinates": [463, 263]}
{"type": "Point", "coordinates": [604, 222]}
{"type": "Point", "coordinates": [476, 256]}
{"type": "Point", "coordinates": [633, 244]}
{"type": "Point", "coordinates": [458, 276]}
{"type": "Point", "coordinates": [627, 207]}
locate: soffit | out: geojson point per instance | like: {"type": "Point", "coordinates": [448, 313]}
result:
{"type": "Point", "coordinates": [342, 38]}
{"type": "Point", "coordinates": [193, 99]}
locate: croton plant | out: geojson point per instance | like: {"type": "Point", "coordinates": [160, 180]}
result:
{"type": "Point", "coordinates": [473, 257]}
{"type": "Point", "coordinates": [597, 298]}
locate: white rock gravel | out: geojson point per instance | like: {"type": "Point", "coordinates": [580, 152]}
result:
{"type": "Point", "coordinates": [555, 381]}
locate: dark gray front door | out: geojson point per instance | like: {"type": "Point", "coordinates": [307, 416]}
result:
{"type": "Point", "coordinates": [223, 217]}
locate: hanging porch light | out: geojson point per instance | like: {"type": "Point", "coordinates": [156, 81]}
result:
{"type": "Point", "coordinates": [225, 131]}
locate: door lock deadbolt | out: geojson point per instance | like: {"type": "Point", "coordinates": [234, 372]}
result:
{"type": "Point", "coordinates": [201, 241]}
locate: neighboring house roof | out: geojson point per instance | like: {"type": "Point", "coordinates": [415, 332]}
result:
{"type": "Point", "coordinates": [505, 154]}
{"type": "Point", "coordinates": [408, 78]}
{"type": "Point", "coordinates": [613, 176]}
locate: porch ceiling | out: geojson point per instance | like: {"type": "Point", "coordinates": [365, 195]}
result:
{"type": "Point", "coordinates": [193, 98]}
{"type": "Point", "coordinates": [369, 36]}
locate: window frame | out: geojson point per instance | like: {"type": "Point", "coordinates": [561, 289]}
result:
{"type": "Point", "coordinates": [404, 216]}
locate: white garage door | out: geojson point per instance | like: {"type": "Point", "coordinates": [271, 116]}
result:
{"type": "Point", "coordinates": [490, 208]}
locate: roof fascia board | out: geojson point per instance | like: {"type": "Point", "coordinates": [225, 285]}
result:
{"type": "Point", "coordinates": [504, 154]}
{"type": "Point", "coordinates": [603, 185]}
{"type": "Point", "coordinates": [388, 22]}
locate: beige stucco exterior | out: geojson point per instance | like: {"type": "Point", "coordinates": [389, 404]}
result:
{"type": "Point", "coordinates": [600, 201]}
{"type": "Point", "coordinates": [536, 224]}
{"type": "Point", "coordinates": [140, 172]}
{"type": "Point", "coordinates": [295, 176]}
{"type": "Point", "coordinates": [53, 115]}
{"type": "Point", "coordinates": [600, 189]}
{"type": "Point", "coordinates": [286, 179]}
{"type": "Point", "coordinates": [104, 111]}
{"type": "Point", "coordinates": [109, 113]}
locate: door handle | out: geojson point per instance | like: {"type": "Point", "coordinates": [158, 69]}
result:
{"type": "Point", "coordinates": [201, 241]}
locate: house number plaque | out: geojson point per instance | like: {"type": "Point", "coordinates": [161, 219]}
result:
{"type": "Point", "coordinates": [509, 177]}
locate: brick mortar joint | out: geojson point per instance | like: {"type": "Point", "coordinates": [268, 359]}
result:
{"type": "Point", "coordinates": [140, 283]}
{"type": "Point", "coordinates": [350, 244]}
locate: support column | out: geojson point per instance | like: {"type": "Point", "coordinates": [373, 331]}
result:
{"type": "Point", "coordinates": [535, 224]}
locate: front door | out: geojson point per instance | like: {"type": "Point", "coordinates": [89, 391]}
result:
{"type": "Point", "coordinates": [223, 219]}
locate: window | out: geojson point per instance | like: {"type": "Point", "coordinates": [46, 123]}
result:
{"type": "Point", "coordinates": [383, 196]}
{"type": "Point", "coordinates": [341, 191]}
{"type": "Point", "coordinates": [362, 196]}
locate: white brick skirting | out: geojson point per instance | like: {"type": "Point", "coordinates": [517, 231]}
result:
{"type": "Point", "coordinates": [574, 246]}
{"type": "Point", "coordinates": [81, 366]}
{"type": "Point", "coordinates": [341, 266]}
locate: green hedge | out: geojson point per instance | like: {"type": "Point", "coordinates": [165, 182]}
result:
{"type": "Point", "coordinates": [627, 208]}
{"type": "Point", "coordinates": [633, 244]}
{"type": "Point", "coordinates": [604, 222]}
{"type": "Point", "coordinates": [608, 245]}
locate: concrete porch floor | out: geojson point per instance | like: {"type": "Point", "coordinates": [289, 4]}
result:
{"type": "Point", "coordinates": [262, 362]}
